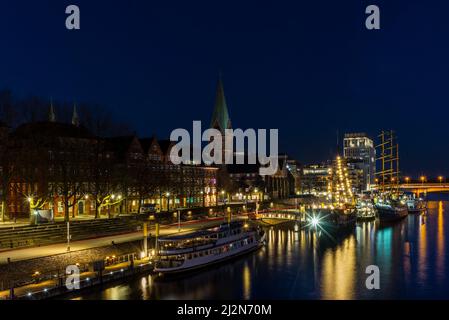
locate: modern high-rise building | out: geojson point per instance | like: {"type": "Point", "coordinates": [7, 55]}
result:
{"type": "Point", "coordinates": [359, 149]}
{"type": "Point", "coordinates": [315, 178]}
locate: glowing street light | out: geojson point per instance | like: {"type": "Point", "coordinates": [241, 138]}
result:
{"type": "Point", "coordinates": [168, 200]}
{"type": "Point", "coordinates": [440, 179]}
{"type": "Point", "coordinates": [407, 179]}
{"type": "Point", "coordinates": [422, 178]}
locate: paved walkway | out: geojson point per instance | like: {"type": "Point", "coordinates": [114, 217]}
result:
{"type": "Point", "coordinates": [37, 252]}
{"type": "Point", "coordinates": [26, 222]}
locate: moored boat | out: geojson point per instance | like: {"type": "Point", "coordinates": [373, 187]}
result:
{"type": "Point", "coordinates": [195, 250]}
{"type": "Point", "coordinates": [391, 210]}
{"type": "Point", "coordinates": [416, 205]}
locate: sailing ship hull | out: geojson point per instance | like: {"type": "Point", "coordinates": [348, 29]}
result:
{"type": "Point", "coordinates": [346, 222]}
{"type": "Point", "coordinates": [335, 220]}
{"type": "Point", "coordinates": [366, 218]}
{"type": "Point", "coordinates": [390, 214]}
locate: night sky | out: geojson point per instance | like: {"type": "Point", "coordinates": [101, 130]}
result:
{"type": "Point", "coordinates": [309, 68]}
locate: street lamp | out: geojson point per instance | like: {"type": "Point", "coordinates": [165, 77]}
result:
{"type": "Point", "coordinates": [223, 196]}
{"type": "Point", "coordinates": [168, 201]}
{"type": "Point", "coordinates": [422, 178]}
{"type": "Point", "coordinates": [440, 178]}
{"type": "Point", "coordinates": [204, 198]}
{"type": "Point", "coordinates": [257, 201]}
{"type": "Point", "coordinates": [407, 179]}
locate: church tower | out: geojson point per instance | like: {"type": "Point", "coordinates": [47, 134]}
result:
{"type": "Point", "coordinates": [220, 117]}
{"type": "Point", "coordinates": [75, 117]}
{"type": "Point", "coordinates": [51, 113]}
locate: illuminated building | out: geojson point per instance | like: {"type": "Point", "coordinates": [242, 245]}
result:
{"type": "Point", "coordinates": [64, 168]}
{"type": "Point", "coordinates": [314, 179]}
{"type": "Point", "coordinates": [358, 146]}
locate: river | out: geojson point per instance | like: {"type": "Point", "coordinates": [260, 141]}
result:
{"type": "Point", "coordinates": [412, 256]}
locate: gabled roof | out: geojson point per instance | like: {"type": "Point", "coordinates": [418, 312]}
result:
{"type": "Point", "coordinates": [146, 143]}
{"type": "Point", "coordinates": [220, 117]}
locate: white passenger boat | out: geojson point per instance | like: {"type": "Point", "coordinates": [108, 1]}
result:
{"type": "Point", "coordinates": [191, 251]}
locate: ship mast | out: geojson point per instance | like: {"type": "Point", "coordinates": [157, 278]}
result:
{"type": "Point", "coordinates": [388, 177]}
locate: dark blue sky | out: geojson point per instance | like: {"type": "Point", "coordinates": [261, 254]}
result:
{"type": "Point", "coordinates": [309, 68]}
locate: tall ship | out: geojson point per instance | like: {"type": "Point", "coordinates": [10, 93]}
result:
{"type": "Point", "coordinates": [389, 204]}
{"type": "Point", "coordinates": [339, 212]}
{"type": "Point", "coordinates": [181, 253]}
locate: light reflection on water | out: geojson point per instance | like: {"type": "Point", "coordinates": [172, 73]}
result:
{"type": "Point", "coordinates": [411, 256]}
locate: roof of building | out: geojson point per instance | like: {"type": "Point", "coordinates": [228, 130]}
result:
{"type": "Point", "coordinates": [146, 143]}
{"type": "Point", "coordinates": [119, 145]}
{"type": "Point", "coordinates": [53, 129]}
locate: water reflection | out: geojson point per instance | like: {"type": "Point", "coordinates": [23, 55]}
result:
{"type": "Point", "coordinates": [296, 264]}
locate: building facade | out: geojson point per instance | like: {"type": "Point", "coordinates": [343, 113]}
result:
{"type": "Point", "coordinates": [314, 179]}
{"type": "Point", "coordinates": [64, 168]}
{"type": "Point", "coordinates": [358, 146]}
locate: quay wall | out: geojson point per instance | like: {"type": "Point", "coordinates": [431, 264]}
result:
{"type": "Point", "coordinates": [15, 273]}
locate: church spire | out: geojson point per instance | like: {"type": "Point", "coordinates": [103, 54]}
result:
{"type": "Point", "coordinates": [51, 112]}
{"type": "Point", "coordinates": [75, 118]}
{"type": "Point", "coordinates": [220, 117]}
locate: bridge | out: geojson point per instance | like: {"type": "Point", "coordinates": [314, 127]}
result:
{"type": "Point", "coordinates": [426, 187]}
